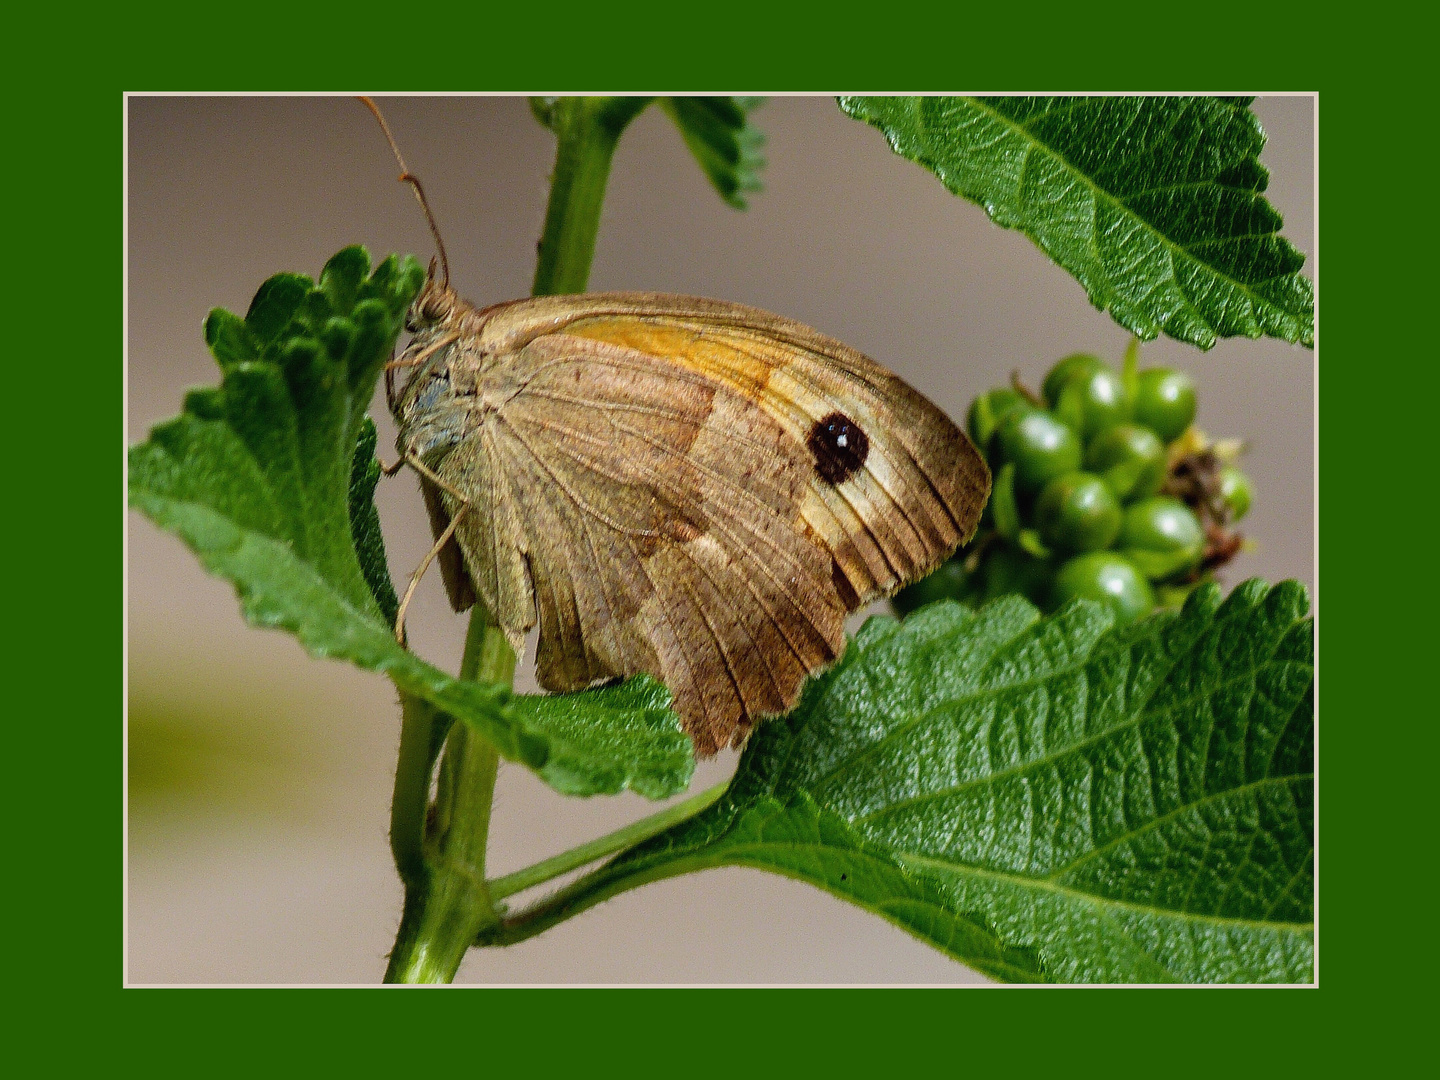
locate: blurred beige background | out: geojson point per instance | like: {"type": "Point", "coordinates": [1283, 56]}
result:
{"type": "Point", "coordinates": [260, 779]}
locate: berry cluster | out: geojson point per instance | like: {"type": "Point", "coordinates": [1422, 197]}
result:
{"type": "Point", "coordinates": [1103, 489]}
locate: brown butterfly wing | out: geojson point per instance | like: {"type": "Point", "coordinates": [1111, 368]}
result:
{"type": "Point", "coordinates": [704, 490]}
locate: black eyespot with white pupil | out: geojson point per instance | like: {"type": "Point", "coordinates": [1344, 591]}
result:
{"type": "Point", "coordinates": [839, 447]}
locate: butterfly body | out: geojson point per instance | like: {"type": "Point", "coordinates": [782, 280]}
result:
{"type": "Point", "coordinates": [685, 487]}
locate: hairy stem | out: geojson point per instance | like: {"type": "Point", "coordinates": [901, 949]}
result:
{"type": "Point", "coordinates": [618, 840]}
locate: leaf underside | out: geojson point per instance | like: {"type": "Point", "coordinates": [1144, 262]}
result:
{"type": "Point", "coordinates": [1154, 204]}
{"type": "Point", "coordinates": [269, 478]}
{"type": "Point", "coordinates": [724, 142]}
{"type": "Point", "coordinates": [1046, 799]}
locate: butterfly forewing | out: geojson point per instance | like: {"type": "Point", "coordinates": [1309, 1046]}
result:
{"type": "Point", "coordinates": [889, 512]}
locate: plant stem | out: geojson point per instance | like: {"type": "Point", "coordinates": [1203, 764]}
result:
{"type": "Point", "coordinates": [412, 789]}
{"type": "Point", "coordinates": [619, 840]}
{"type": "Point", "coordinates": [603, 883]}
{"type": "Point", "coordinates": [447, 902]}
{"type": "Point", "coordinates": [586, 132]}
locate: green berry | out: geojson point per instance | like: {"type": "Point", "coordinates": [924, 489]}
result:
{"type": "Point", "coordinates": [1040, 447]}
{"type": "Point", "coordinates": [1235, 492]}
{"type": "Point", "coordinates": [949, 581]}
{"type": "Point", "coordinates": [1064, 371]}
{"type": "Point", "coordinates": [1078, 512]}
{"type": "Point", "coordinates": [989, 409]}
{"type": "Point", "coordinates": [1165, 402]}
{"type": "Point", "coordinates": [1130, 458]}
{"type": "Point", "coordinates": [1092, 402]}
{"type": "Point", "coordinates": [1107, 577]}
{"type": "Point", "coordinates": [1162, 537]}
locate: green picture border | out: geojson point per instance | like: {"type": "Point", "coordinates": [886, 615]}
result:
{"type": "Point", "coordinates": [66, 131]}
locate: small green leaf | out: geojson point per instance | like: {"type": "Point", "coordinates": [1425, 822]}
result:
{"type": "Point", "coordinates": [628, 731]}
{"type": "Point", "coordinates": [275, 304]}
{"type": "Point", "coordinates": [229, 337]}
{"type": "Point", "coordinates": [270, 479]}
{"type": "Point", "coordinates": [1029, 541]}
{"type": "Point", "coordinates": [719, 133]}
{"type": "Point", "coordinates": [1154, 204]}
{"type": "Point", "coordinates": [1046, 799]}
{"type": "Point", "coordinates": [1003, 505]}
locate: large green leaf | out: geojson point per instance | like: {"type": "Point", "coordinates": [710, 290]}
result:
{"type": "Point", "coordinates": [1042, 798]}
{"type": "Point", "coordinates": [269, 479]}
{"type": "Point", "coordinates": [1154, 204]}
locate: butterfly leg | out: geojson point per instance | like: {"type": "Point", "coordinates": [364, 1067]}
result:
{"type": "Point", "coordinates": [429, 474]}
{"type": "Point", "coordinates": [420, 573]}
{"type": "Point", "coordinates": [423, 355]}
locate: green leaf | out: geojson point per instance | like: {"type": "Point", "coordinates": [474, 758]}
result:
{"type": "Point", "coordinates": [365, 523]}
{"type": "Point", "coordinates": [1003, 504]}
{"type": "Point", "coordinates": [719, 133]}
{"type": "Point", "coordinates": [270, 477]}
{"type": "Point", "coordinates": [1029, 541]}
{"type": "Point", "coordinates": [1042, 798]}
{"type": "Point", "coordinates": [1154, 204]}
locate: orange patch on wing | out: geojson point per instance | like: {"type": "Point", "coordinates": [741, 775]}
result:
{"type": "Point", "coordinates": [747, 370]}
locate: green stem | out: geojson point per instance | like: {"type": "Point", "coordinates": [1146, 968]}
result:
{"type": "Point", "coordinates": [619, 840]}
{"type": "Point", "coordinates": [603, 883]}
{"type": "Point", "coordinates": [586, 132]}
{"type": "Point", "coordinates": [412, 788]}
{"type": "Point", "coordinates": [447, 903]}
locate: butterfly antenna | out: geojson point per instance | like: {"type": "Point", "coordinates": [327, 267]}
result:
{"type": "Point", "coordinates": [407, 177]}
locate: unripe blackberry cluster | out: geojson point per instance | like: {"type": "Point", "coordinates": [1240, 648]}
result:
{"type": "Point", "coordinates": [1103, 489]}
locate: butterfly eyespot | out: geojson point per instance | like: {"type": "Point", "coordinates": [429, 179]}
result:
{"type": "Point", "coordinates": [839, 447]}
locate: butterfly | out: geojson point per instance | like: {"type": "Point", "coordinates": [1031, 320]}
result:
{"type": "Point", "coordinates": [690, 488]}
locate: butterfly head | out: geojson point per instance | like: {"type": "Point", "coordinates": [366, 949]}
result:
{"type": "Point", "coordinates": [435, 304]}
